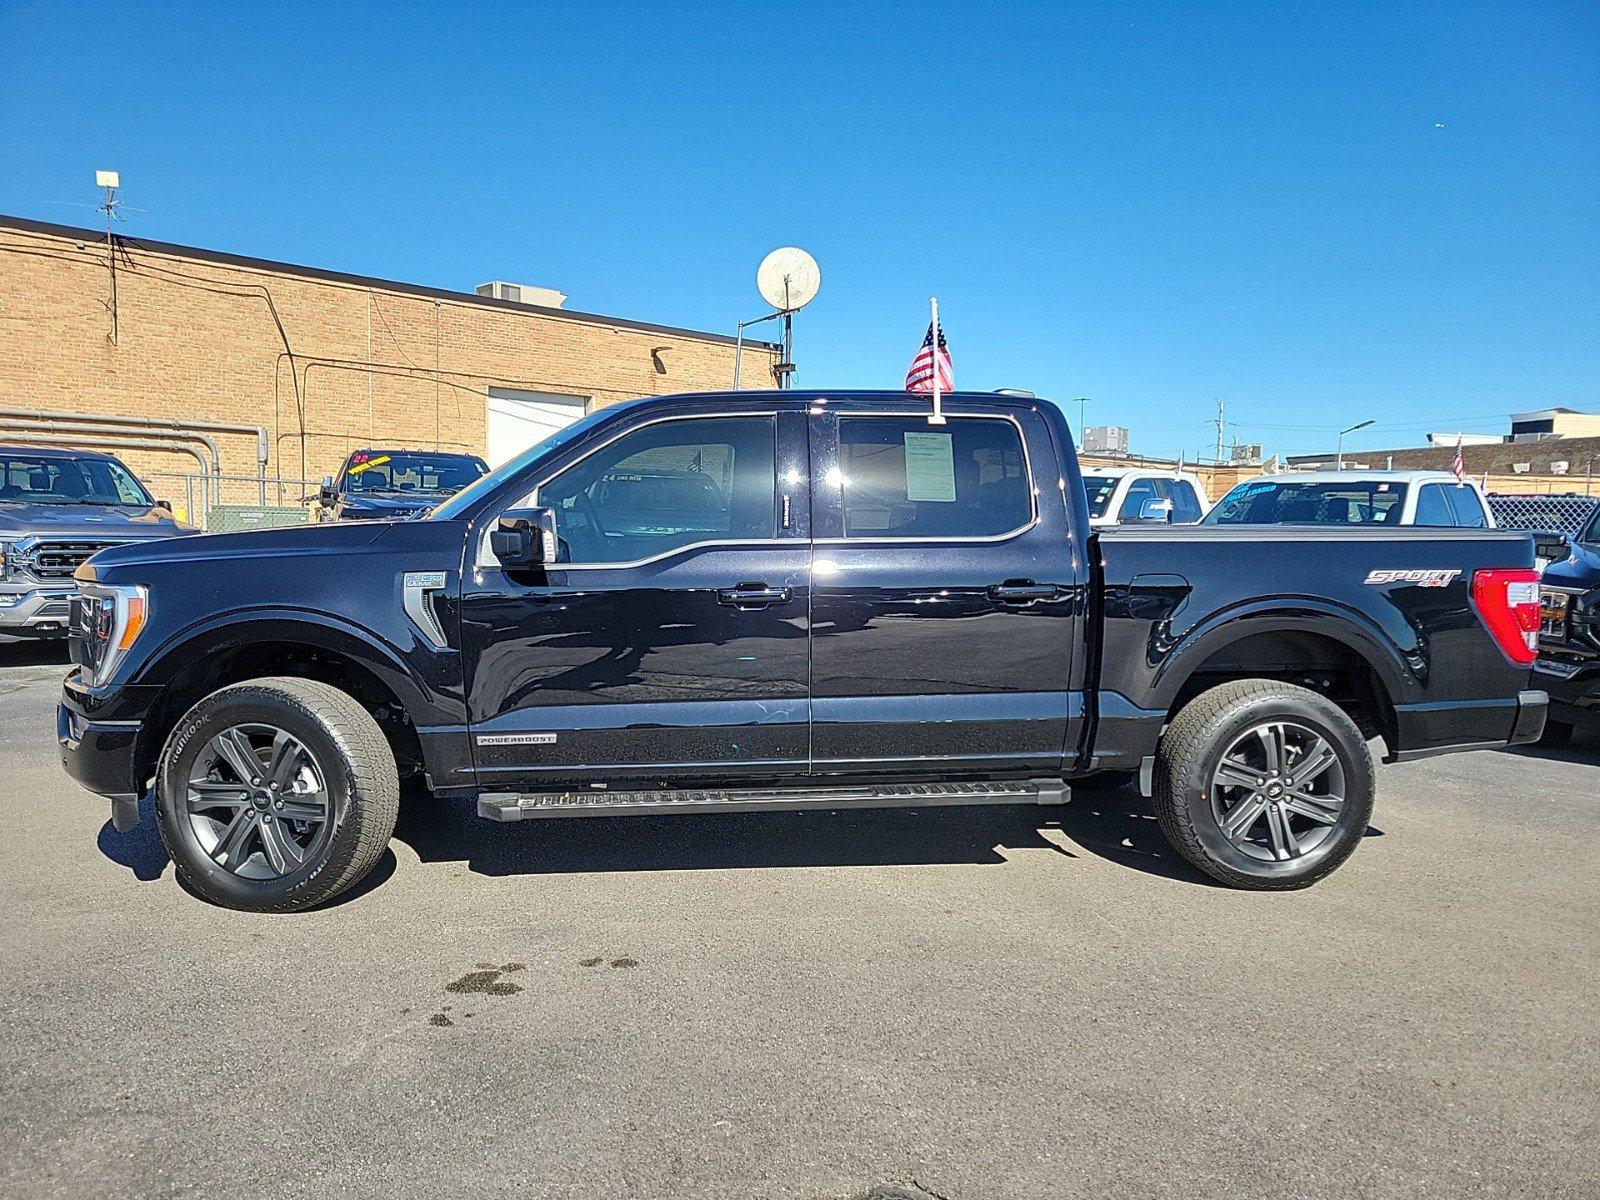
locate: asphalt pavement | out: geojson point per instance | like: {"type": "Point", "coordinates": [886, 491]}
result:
{"type": "Point", "coordinates": [990, 1002]}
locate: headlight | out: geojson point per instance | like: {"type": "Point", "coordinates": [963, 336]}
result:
{"type": "Point", "coordinates": [106, 620]}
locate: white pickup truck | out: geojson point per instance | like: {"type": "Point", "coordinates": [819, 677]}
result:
{"type": "Point", "coordinates": [1143, 496]}
{"type": "Point", "coordinates": [1389, 498]}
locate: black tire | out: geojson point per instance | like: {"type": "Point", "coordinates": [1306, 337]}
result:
{"type": "Point", "coordinates": [1189, 795]}
{"type": "Point", "coordinates": [345, 755]}
{"type": "Point", "coordinates": [1556, 734]}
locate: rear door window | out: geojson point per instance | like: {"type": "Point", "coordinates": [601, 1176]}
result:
{"type": "Point", "coordinates": [1185, 503]}
{"type": "Point", "coordinates": [905, 478]}
{"type": "Point", "coordinates": [1432, 507]}
{"type": "Point", "coordinates": [1467, 507]}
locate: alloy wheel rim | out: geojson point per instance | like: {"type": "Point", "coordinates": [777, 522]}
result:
{"type": "Point", "coordinates": [257, 801]}
{"type": "Point", "coordinates": [1278, 792]}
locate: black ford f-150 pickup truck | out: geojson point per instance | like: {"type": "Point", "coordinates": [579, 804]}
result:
{"type": "Point", "coordinates": [1569, 653]}
{"type": "Point", "coordinates": [389, 485]}
{"type": "Point", "coordinates": [782, 600]}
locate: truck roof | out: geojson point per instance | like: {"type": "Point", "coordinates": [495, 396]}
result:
{"type": "Point", "coordinates": [369, 450]}
{"type": "Point", "coordinates": [1360, 476]}
{"type": "Point", "coordinates": [56, 452]}
{"type": "Point", "coordinates": [1119, 472]}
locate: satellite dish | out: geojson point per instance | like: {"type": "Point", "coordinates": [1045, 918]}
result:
{"type": "Point", "coordinates": [788, 278]}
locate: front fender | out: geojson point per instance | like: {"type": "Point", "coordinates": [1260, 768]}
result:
{"type": "Point", "coordinates": [422, 698]}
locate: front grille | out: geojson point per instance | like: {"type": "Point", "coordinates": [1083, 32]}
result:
{"type": "Point", "coordinates": [58, 560]}
{"type": "Point", "coordinates": [1553, 615]}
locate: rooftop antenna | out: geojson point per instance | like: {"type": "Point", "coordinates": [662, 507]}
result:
{"type": "Point", "coordinates": [110, 181]}
{"type": "Point", "coordinates": [788, 279]}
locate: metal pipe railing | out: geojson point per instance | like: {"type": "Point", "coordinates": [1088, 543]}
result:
{"type": "Point", "coordinates": [51, 425]}
{"type": "Point", "coordinates": [99, 442]}
{"type": "Point", "coordinates": [263, 442]}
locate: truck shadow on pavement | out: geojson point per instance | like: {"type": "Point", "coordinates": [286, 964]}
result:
{"type": "Point", "coordinates": [35, 652]}
{"type": "Point", "coordinates": [142, 851]}
{"type": "Point", "coordinates": [1117, 826]}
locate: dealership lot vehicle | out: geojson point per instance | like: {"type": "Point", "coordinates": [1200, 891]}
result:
{"type": "Point", "coordinates": [1387, 498]}
{"type": "Point", "coordinates": [782, 601]}
{"type": "Point", "coordinates": [58, 507]}
{"type": "Point", "coordinates": [388, 485]}
{"type": "Point", "coordinates": [1139, 496]}
{"type": "Point", "coordinates": [990, 1002]}
{"type": "Point", "coordinates": [1569, 646]}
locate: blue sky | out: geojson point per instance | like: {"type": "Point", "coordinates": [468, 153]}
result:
{"type": "Point", "coordinates": [1319, 213]}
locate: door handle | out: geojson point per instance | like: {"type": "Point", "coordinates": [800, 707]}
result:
{"type": "Point", "coordinates": [753, 595]}
{"type": "Point", "coordinates": [1021, 591]}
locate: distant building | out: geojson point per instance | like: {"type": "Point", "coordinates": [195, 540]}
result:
{"type": "Point", "coordinates": [1553, 423]}
{"type": "Point", "coordinates": [1105, 439]}
{"type": "Point", "coordinates": [1551, 450]}
{"type": "Point", "coordinates": [303, 364]}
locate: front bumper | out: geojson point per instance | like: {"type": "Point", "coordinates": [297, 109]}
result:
{"type": "Point", "coordinates": [42, 612]}
{"type": "Point", "coordinates": [101, 745]}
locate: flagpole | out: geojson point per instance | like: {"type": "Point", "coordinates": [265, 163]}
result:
{"type": "Point", "coordinates": [937, 417]}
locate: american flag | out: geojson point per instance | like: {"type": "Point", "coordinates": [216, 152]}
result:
{"type": "Point", "coordinates": [920, 377]}
{"type": "Point", "coordinates": [1459, 467]}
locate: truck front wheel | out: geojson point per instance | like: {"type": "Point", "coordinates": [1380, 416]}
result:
{"type": "Point", "coordinates": [276, 795]}
{"type": "Point", "coordinates": [1263, 785]}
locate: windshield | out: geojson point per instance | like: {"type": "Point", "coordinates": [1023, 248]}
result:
{"type": "Point", "coordinates": [36, 479]}
{"type": "Point", "coordinates": [1590, 533]}
{"type": "Point", "coordinates": [1283, 502]}
{"type": "Point", "coordinates": [464, 499]}
{"type": "Point", "coordinates": [398, 472]}
{"type": "Point", "coordinates": [1099, 489]}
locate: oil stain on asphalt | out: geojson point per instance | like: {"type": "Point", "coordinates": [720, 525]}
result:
{"type": "Point", "coordinates": [487, 981]}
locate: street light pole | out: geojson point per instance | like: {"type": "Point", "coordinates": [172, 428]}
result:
{"type": "Point", "coordinates": [1339, 460]}
{"type": "Point", "coordinates": [1080, 402]}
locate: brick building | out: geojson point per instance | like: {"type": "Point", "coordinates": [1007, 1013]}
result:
{"type": "Point", "coordinates": [321, 361]}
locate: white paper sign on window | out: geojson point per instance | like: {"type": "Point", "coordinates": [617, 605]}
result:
{"type": "Point", "coordinates": [930, 467]}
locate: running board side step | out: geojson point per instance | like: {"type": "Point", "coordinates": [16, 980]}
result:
{"type": "Point", "coordinates": [515, 806]}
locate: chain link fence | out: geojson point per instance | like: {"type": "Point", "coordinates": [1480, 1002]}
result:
{"type": "Point", "coordinates": [229, 503]}
{"type": "Point", "coordinates": [1564, 514]}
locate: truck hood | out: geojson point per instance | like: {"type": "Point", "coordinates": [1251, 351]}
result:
{"type": "Point", "coordinates": [1580, 569]}
{"type": "Point", "coordinates": [389, 507]}
{"type": "Point", "coordinates": [88, 521]}
{"type": "Point", "coordinates": [295, 541]}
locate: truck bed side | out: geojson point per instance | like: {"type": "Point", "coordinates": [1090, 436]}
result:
{"type": "Point", "coordinates": [1381, 620]}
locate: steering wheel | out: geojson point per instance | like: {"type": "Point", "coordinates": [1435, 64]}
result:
{"type": "Point", "coordinates": [585, 540]}
{"type": "Point", "coordinates": [584, 503]}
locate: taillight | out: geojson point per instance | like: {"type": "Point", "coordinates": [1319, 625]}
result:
{"type": "Point", "coordinates": [1508, 602]}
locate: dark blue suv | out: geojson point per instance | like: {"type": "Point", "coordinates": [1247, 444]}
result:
{"type": "Point", "coordinates": [392, 485]}
{"type": "Point", "coordinates": [1569, 638]}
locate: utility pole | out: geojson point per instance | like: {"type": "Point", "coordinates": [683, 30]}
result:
{"type": "Point", "coordinates": [110, 181]}
{"type": "Point", "coordinates": [1220, 424]}
{"type": "Point", "coordinates": [1080, 402]}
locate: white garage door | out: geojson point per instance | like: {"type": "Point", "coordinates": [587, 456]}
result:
{"type": "Point", "coordinates": [519, 419]}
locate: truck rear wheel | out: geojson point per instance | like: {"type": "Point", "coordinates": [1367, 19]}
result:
{"type": "Point", "coordinates": [1263, 785]}
{"type": "Point", "coordinates": [276, 795]}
